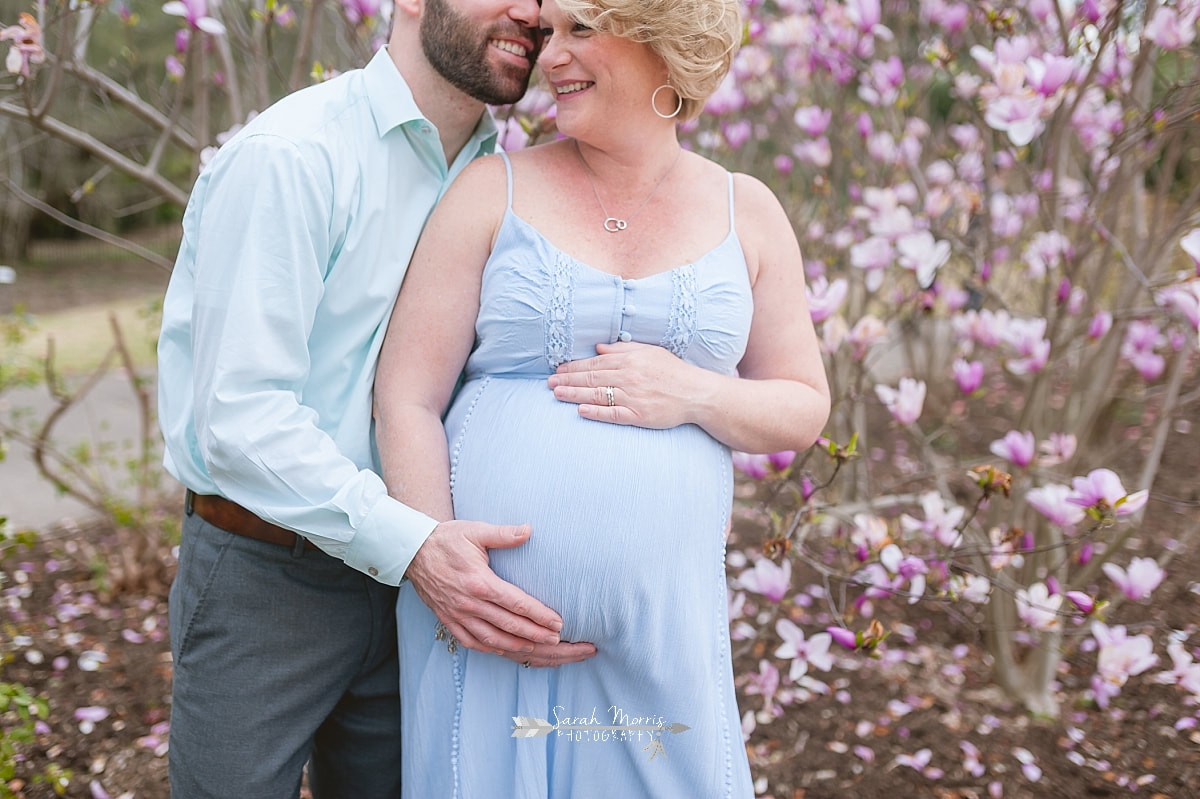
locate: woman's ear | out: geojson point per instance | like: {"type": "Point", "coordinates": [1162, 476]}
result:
{"type": "Point", "coordinates": [410, 7]}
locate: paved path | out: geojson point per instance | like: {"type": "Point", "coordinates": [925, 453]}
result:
{"type": "Point", "coordinates": [107, 416]}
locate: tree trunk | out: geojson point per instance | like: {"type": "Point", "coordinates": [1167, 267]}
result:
{"type": "Point", "coordinates": [15, 216]}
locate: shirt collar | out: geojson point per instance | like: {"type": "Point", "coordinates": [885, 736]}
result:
{"type": "Point", "coordinates": [392, 103]}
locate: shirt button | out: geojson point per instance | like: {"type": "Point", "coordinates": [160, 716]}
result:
{"type": "Point", "coordinates": [426, 129]}
{"type": "Point", "coordinates": [373, 571]}
{"type": "Point", "coordinates": [629, 310]}
{"type": "Point", "coordinates": [624, 336]}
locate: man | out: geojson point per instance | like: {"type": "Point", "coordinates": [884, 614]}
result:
{"type": "Point", "coordinates": [295, 242]}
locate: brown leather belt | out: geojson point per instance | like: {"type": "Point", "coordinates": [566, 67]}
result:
{"type": "Point", "coordinates": [233, 518]}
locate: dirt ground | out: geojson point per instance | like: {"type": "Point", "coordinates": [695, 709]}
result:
{"type": "Point", "coordinates": [83, 648]}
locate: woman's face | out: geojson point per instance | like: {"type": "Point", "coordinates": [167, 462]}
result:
{"type": "Point", "coordinates": [596, 77]}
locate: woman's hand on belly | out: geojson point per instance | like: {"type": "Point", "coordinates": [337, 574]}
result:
{"type": "Point", "coordinates": [650, 386]}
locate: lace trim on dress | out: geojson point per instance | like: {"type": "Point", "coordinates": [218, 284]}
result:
{"type": "Point", "coordinates": [681, 324]}
{"type": "Point", "coordinates": [560, 310]}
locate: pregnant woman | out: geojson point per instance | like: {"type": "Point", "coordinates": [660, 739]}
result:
{"type": "Point", "coordinates": [627, 312]}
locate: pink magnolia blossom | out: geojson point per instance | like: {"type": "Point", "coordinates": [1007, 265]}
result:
{"type": "Point", "coordinates": [1139, 581]}
{"type": "Point", "coordinates": [975, 588]}
{"type": "Point", "coordinates": [816, 152]}
{"type": "Point", "coordinates": [1026, 336]}
{"type": "Point", "coordinates": [1185, 298]}
{"type": "Point", "coordinates": [882, 148]}
{"type": "Point", "coordinates": [869, 531]}
{"type": "Point", "coordinates": [866, 333]}
{"type": "Point", "coordinates": [1057, 448]}
{"type": "Point", "coordinates": [737, 132]}
{"type": "Point", "coordinates": [727, 99]}
{"type": "Point", "coordinates": [968, 375]}
{"type": "Point", "coordinates": [873, 255]}
{"type": "Point", "coordinates": [1120, 657]}
{"type": "Point", "coordinates": [1019, 116]}
{"type": "Point", "coordinates": [1171, 28]}
{"type": "Point", "coordinates": [359, 10]}
{"type": "Point", "coordinates": [803, 653]}
{"type": "Point", "coordinates": [847, 639]}
{"type": "Point", "coordinates": [1017, 447]}
{"type": "Point", "coordinates": [813, 120]}
{"type": "Point", "coordinates": [26, 47]}
{"type": "Point", "coordinates": [985, 327]}
{"type": "Point", "coordinates": [765, 683]}
{"type": "Point", "coordinates": [1045, 251]}
{"type": "Point", "coordinates": [950, 16]}
{"type": "Point", "coordinates": [1191, 245]}
{"type": "Point", "coordinates": [883, 82]}
{"type": "Point", "coordinates": [174, 68]}
{"type": "Point", "coordinates": [941, 520]}
{"type": "Point", "coordinates": [1101, 324]}
{"type": "Point", "coordinates": [1047, 73]}
{"type": "Point", "coordinates": [195, 12]}
{"type": "Point", "coordinates": [825, 298]}
{"type": "Point", "coordinates": [1037, 607]}
{"type": "Point", "coordinates": [755, 466]}
{"type": "Point", "coordinates": [1185, 672]}
{"type": "Point", "coordinates": [1142, 340]}
{"type": "Point", "coordinates": [1102, 489]}
{"type": "Point", "coordinates": [768, 579]}
{"type": "Point", "coordinates": [1082, 601]}
{"type": "Point", "coordinates": [922, 254]}
{"type": "Point", "coordinates": [1053, 502]}
{"type": "Point", "coordinates": [903, 403]}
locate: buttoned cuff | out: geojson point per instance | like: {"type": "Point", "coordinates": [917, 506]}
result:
{"type": "Point", "coordinates": [388, 540]}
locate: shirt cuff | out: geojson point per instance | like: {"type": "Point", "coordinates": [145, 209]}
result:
{"type": "Point", "coordinates": [388, 540]}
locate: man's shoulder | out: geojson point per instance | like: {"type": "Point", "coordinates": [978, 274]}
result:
{"type": "Point", "coordinates": [306, 114]}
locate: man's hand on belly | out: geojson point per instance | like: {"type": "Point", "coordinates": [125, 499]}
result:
{"type": "Point", "coordinates": [450, 573]}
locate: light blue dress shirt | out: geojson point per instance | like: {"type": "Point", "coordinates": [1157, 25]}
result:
{"type": "Point", "coordinates": [295, 241]}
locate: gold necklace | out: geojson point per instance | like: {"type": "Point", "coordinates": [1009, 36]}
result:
{"type": "Point", "coordinates": [611, 223]}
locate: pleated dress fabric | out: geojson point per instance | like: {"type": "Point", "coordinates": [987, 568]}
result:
{"type": "Point", "coordinates": [627, 545]}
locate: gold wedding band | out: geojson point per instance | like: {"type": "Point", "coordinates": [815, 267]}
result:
{"type": "Point", "coordinates": [608, 393]}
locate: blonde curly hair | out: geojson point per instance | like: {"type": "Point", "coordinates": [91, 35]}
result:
{"type": "Point", "coordinates": [696, 39]}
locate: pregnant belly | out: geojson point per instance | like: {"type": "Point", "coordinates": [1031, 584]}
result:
{"type": "Point", "coordinates": [627, 522]}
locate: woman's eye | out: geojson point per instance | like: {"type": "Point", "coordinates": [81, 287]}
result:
{"type": "Point", "coordinates": [545, 33]}
{"type": "Point", "coordinates": [580, 28]}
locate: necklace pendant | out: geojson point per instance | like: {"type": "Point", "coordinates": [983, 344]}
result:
{"type": "Point", "coordinates": [614, 225]}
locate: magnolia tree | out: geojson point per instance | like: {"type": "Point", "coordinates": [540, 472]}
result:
{"type": "Point", "coordinates": [1000, 210]}
{"type": "Point", "coordinates": [998, 205]}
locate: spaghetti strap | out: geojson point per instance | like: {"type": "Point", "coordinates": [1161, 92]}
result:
{"type": "Point", "coordinates": [732, 229]}
{"type": "Point", "coordinates": [508, 169]}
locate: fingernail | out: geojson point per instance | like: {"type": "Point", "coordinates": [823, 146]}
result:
{"type": "Point", "coordinates": [550, 639]}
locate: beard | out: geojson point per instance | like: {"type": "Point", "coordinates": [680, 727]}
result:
{"type": "Point", "coordinates": [458, 50]}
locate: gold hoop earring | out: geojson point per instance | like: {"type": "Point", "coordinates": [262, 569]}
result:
{"type": "Point", "coordinates": [678, 104]}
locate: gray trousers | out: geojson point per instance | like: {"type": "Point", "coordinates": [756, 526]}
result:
{"type": "Point", "coordinates": [282, 656]}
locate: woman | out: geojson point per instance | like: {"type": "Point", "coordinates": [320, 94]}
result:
{"type": "Point", "coordinates": [680, 276]}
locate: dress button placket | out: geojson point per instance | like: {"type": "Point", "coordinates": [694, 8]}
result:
{"type": "Point", "coordinates": [626, 310]}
